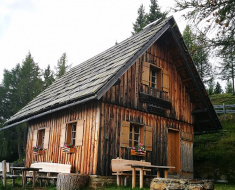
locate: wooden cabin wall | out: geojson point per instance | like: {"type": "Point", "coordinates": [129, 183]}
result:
{"type": "Point", "coordinates": [109, 142]}
{"type": "Point", "coordinates": [84, 159]}
{"type": "Point", "coordinates": [121, 103]}
{"type": "Point", "coordinates": [126, 91]}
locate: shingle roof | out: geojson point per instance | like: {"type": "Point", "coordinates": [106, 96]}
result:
{"type": "Point", "coordinates": [89, 77]}
{"type": "Point", "coordinates": [92, 78]}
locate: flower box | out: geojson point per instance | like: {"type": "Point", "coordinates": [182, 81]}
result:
{"type": "Point", "coordinates": [136, 153]}
{"type": "Point", "coordinates": [68, 150]}
{"type": "Point", "coordinates": [39, 152]}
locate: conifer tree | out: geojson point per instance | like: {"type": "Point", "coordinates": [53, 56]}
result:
{"type": "Point", "coordinates": [141, 20]}
{"type": "Point", "coordinates": [144, 19]}
{"type": "Point", "coordinates": [20, 85]}
{"type": "Point", "coordinates": [199, 51]}
{"type": "Point", "coordinates": [62, 66]}
{"type": "Point", "coordinates": [228, 69]}
{"type": "Point", "coordinates": [218, 89]}
{"type": "Point", "coordinates": [229, 87]}
{"type": "Point", "coordinates": [48, 77]}
{"type": "Point", "coordinates": [155, 12]}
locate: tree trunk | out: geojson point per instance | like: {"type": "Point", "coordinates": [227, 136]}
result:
{"type": "Point", "coordinates": [70, 181]}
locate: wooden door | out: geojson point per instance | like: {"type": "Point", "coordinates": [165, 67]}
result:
{"type": "Point", "coordinates": [173, 151]}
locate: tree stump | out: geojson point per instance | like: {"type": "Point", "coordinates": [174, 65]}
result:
{"type": "Point", "coordinates": [70, 181]}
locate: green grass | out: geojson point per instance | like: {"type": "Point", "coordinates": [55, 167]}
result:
{"type": "Point", "coordinates": [214, 153]}
{"type": "Point", "coordinates": [218, 99]}
{"type": "Point", "coordinates": [224, 186]}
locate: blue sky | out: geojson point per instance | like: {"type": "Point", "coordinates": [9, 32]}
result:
{"type": "Point", "coordinates": [82, 29]}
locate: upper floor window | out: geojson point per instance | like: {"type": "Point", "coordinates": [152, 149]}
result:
{"type": "Point", "coordinates": [155, 77]}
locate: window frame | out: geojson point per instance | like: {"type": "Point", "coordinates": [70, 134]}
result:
{"type": "Point", "coordinates": [158, 77]}
{"type": "Point", "coordinates": [66, 133]}
{"type": "Point", "coordinates": [69, 137]}
{"type": "Point", "coordinates": [41, 137]}
{"type": "Point", "coordinates": [133, 141]}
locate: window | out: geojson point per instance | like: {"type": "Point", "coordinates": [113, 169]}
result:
{"type": "Point", "coordinates": [41, 137]}
{"type": "Point", "coordinates": [133, 133]}
{"type": "Point", "coordinates": [72, 133]}
{"type": "Point", "coordinates": [154, 76]}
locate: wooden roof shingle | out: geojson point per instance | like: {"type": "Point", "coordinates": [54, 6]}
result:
{"type": "Point", "coordinates": [92, 78]}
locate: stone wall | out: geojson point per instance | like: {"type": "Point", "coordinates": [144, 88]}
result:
{"type": "Point", "coordinates": [180, 184]}
{"type": "Point", "coordinates": [98, 182]}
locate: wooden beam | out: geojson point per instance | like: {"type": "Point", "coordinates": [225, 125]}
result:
{"type": "Point", "coordinates": [176, 57]}
{"type": "Point", "coordinates": [194, 100]}
{"type": "Point", "coordinates": [204, 121]}
{"type": "Point", "coordinates": [186, 80]}
{"type": "Point", "coordinates": [200, 111]}
{"type": "Point", "coordinates": [182, 68]}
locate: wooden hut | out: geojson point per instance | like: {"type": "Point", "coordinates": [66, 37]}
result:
{"type": "Point", "coordinates": [145, 89]}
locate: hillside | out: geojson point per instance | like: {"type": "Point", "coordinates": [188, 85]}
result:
{"type": "Point", "coordinates": [214, 153]}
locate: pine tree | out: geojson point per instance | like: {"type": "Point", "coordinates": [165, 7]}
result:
{"type": "Point", "coordinates": [48, 77]}
{"type": "Point", "coordinates": [229, 87]}
{"type": "Point", "coordinates": [141, 20]}
{"type": "Point", "coordinates": [228, 69]}
{"type": "Point", "coordinates": [20, 85]}
{"type": "Point", "coordinates": [144, 19]}
{"type": "Point", "coordinates": [155, 12]}
{"type": "Point", "coordinates": [212, 16]}
{"type": "Point", "coordinates": [62, 66]}
{"type": "Point", "coordinates": [211, 85]}
{"type": "Point", "coordinates": [218, 89]}
{"type": "Point", "coordinates": [199, 52]}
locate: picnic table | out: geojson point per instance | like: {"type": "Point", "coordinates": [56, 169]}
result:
{"type": "Point", "coordinates": [144, 167]}
{"type": "Point", "coordinates": [24, 170]}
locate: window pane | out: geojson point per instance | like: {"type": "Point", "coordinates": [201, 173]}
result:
{"type": "Point", "coordinates": [154, 79]}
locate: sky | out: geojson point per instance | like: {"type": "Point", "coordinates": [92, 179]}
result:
{"type": "Point", "coordinates": [81, 29]}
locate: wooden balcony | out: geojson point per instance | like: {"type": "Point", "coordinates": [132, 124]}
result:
{"type": "Point", "coordinates": [155, 97]}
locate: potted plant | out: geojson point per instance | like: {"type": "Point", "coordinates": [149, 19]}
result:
{"type": "Point", "coordinates": [37, 150]}
{"type": "Point", "coordinates": [138, 150]}
{"type": "Point", "coordinates": [68, 148]}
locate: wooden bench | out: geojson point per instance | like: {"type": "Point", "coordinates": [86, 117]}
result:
{"type": "Point", "coordinates": [49, 171]}
{"type": "Point", "coordinates": [5, 169]}
{"type": "Point", "coordinates": [121, 167]}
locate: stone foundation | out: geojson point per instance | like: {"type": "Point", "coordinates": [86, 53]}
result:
{"type": "Point", "coordinates": [98, 182]}
{"type": "Point", "coordinates": [180, 184]}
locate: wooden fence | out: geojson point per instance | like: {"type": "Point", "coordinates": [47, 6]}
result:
{"type": "Point", "coordinates": [225, 108]}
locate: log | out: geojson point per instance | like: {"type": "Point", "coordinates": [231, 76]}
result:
{"type": "Point", "coordinates": [70, 181]}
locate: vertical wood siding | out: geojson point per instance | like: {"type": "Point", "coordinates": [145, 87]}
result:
{"type": "Point", "coordinates": [109, 144]}
{"type": "Point", "coordinates": [125, 106]}
{"type": "Point", "coordinates": [85, 157]}
{"type": "Point", "coordinates": [126, 92]}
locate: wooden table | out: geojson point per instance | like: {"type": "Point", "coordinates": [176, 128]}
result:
{"type": "Point", "coordinates": [144, 167]}
{"type": "Point", "coordinates": [24, 170]}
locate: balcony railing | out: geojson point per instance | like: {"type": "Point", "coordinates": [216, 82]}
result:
{"type": "Point", "coordinates": [154, 92]}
